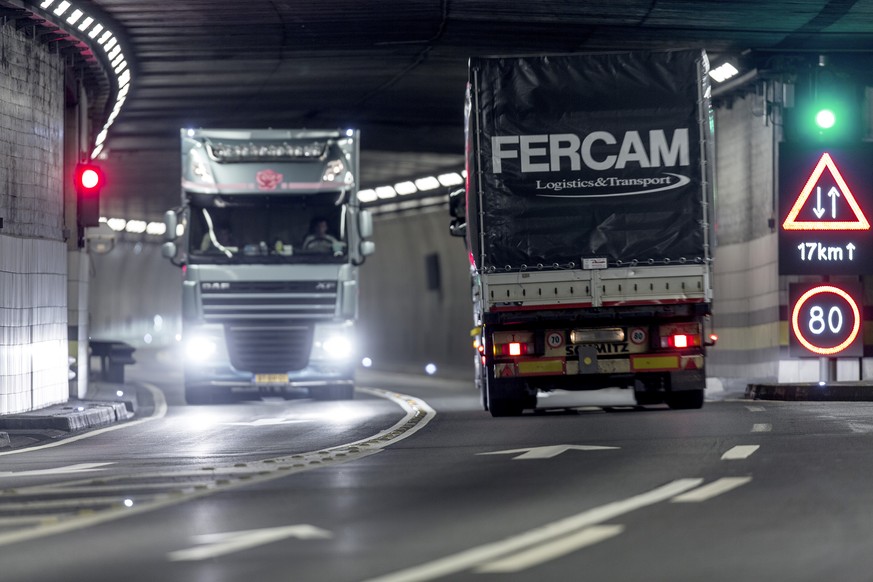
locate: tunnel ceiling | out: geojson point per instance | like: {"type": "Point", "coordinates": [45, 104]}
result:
{"type": "Point", "coordinates": [396, 69]}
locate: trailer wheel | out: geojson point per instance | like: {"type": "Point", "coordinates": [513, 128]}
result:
{"type": "Point", "coordinates": [332, 392]}
{"type": "Point", "coordinates": [685, 400]}
{"type": "Point", "coordinates": [508, 397]}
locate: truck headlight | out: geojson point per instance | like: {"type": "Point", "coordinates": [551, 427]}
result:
{"type": "Point", "coordinates": [200, 348]}
{"type": "Point", "coordinates": [333, 342]}
{"type": "Point", "coordinates": [337, 347]}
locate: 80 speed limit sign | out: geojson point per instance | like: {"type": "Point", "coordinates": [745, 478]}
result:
{"type": "Point", "coordinates": [825, 320]}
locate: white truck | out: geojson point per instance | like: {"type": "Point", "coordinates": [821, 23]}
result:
{"type": "Point", "coordinates": [270, 236]}
{"type": "Point", "coordinates": [588, 216]}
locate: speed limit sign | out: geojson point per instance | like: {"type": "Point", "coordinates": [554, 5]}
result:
{"type": "Point", "coordinates": [825, 320]}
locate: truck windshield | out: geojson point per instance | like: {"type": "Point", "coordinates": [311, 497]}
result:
{"type": "Point", "coordinates": [267, 229]}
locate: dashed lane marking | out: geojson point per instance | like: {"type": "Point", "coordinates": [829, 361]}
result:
{"type": "Point", "coordinates": [762, 427]}
{"type": "Point", "coordinates": [740, 452]}
{"type": "Point", "coordinates": [711, 490]}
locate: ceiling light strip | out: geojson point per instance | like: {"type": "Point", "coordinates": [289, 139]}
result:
{"type": "Point", "coordinates": [76, 21]}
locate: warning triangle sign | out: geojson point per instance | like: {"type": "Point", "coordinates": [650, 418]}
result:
{"type": "Point", "coordinates": [822, 204]}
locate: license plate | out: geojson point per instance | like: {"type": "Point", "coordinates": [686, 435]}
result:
{"type": "Point", "coordinates": [271, 378]}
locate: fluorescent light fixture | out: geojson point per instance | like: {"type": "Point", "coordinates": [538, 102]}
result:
{"type": "Point", "coordinates": [75, 16]}
{"type": "Point", "coordinates": [136, 226]}
{"type": "Point", "coordinates": [46, 4]}
{"type": "Point", "coordinates": [96, 151]}
{"type": "Point", "coordinates": [124, 78]}
{"type": "Point", "coordinates": [86, 23]}
{"type": "Point", "coordinates": [101, 137]}
{"type": "Point", "coordinates": [156, 228]}
{"type": "Point", "coordinates": [723, 72]}
{"type": "Point", "coordinates": [364, 195]}
{"type": "Point", "coordinates": [62, 7]}
{"type": "Point", "coordinates": [405, 188]}
{"type": "Point", "coordinates": [104, 37]}
{"type": "Point", "coordinates": [121, 66]}
{"type": "Point", "coordinates": [180, 230]}
{"type": "Point", "coordinates": [451, 179]}
{"type": "Point", "coordinates": [112, 42]}
{"type": "Point", "coordinates": [428, 183]}
{"type": "Point", "coordinates": [116, 224]}
{"type": "Point", "coordinates": [96, 30]}
{"type": "Point", "coordinates": [117, 59]}
{"type": "Point", "coordinates": [385, 192]}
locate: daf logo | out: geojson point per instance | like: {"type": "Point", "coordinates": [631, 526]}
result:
{"type": "Point", "coordinates": [216, 286]}
{"type": "Point", "coordinates": [325, 286]}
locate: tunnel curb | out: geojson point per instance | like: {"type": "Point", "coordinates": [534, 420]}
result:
{"type": "Point", "coordinates": [812, 392]}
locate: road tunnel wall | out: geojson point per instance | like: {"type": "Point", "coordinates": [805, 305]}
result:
{"type": "Point", "coordinates": [33, 254]}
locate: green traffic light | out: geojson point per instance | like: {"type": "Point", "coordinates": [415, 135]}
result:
{"type": "Point", "coordinates": [825, 119]}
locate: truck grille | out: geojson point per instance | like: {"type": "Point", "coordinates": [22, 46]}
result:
{"type": "Point", "coordinates": [268, 348]}
{"type": "Point", "coordinates": [269, 324]}
{"type": "Point", "coordinates": [227, 302]}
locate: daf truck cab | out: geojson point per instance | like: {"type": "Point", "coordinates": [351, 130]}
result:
{"type": "Point", "coordinates": [270, 236]}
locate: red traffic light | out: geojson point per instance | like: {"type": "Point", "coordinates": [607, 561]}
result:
{"type": "Point", "coordinates": [89, 178]}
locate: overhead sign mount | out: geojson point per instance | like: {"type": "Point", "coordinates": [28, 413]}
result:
{"type": "Point", "coordinates": [826, 204]}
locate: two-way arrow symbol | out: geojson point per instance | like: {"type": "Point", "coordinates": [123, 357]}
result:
{"type": "Point", "coordinates": [548, 451]}
{"type": "Point", "coordinates": [819, 210]}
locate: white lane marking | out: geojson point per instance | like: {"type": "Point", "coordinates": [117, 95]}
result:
{"type": "Point", "coordinates": [714, 489]}
{"type": "Point", "coordinates": [270, 422]}
{"type": "Point", "coordinates": [160, 412]}
{"type": "Point", "coordinates": [80, 468]}
{"type": "Point", "coordinates": [551, 550]}
{"type": "Point", "coordinates": [220, 544]}
{"type": "Point", "coordinates": [755, 408]}
{"type": "Point", "coordinates": [418, 415]}
{"type": "Point", "coordinates": [479, 555]}
{"type": "Point", "coordinates": [740, 452]}
{"type": "Point", "coordinates": [547, 452]}
{"type": "Point", "coordinates": [762, 427]}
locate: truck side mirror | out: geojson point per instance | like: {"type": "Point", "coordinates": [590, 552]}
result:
{"type": "Point", "coordinates": [367, 247]}
{"type": "Point", "coordinates": [168, 250]}
{"type": "Point", "coordinates": [170, 221]}
{"type": "Point", "coordinates": [365, 224]}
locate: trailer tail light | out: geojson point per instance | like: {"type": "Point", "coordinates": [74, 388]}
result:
{"type": "Point", "coordinates": [513, 349]}
{"type": "Point", "coordinates": [681, 336]}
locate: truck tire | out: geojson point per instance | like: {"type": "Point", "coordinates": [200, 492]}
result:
{"type": "Point", "coordinates": [508, 397]}
{"type": "Point", "coordinates": [685, 400]}
{"type": "Point", "coordinates": [332, 392]}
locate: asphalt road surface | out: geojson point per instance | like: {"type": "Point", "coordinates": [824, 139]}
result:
{"type": "Point", "coordinates": [411, 481]}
